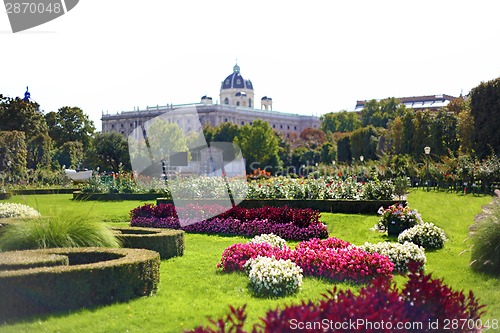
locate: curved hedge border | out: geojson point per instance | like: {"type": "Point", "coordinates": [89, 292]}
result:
{"type": "Point", "coordinates": [94, 276]}
{"type": "Point", "coordinates": [44, 191]}
{"type": "Point", "coordinates": [325, 206]}
{"type": "Point", "coordinates": [168, 243]}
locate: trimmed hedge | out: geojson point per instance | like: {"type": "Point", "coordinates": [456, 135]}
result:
{"type": "Point", "coordinates": [77, 195]}
{"type": "Point", "coordinates": [168, 243]}
{"type": "Point", "coordinates": [93, 276]}
{"type": "Point", "coordinates": [16, 260]}
{"type": "Point", "coordinates": [326, 206]}
{"type": "Point", "coordinates": [45, 191]}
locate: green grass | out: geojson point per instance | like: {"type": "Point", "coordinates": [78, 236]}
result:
{"type": "Point", "coordinates": [191, 288]}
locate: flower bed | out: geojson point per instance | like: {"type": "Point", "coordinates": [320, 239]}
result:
{"type": "Point", "coordinates": [331, 258]}
{"type": "Point", "coordinates": [273, 277]}
{"type": "Point", "coordinates": [379, 307]}
{"type": "Point", "coordinates": [400, 254]}
{"type": "Point", "coordinates": [427, 235]}
{"type": "Point", "coordinates": [288, 223]}
{"type": "Point", "coordinates": [17, 210]}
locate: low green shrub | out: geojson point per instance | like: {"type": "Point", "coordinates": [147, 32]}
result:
{"type": "Point", "coordinates": [17, 260]}
{"type": "Point", "coordinates": [485, 256]}
{"type": "Point", "coordinates": [168, 243]}
{"type": "Point", "coordinates": [62, 230]}
{"type": "Point", "coordinates": [93, 276]}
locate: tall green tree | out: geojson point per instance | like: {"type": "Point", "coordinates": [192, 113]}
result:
{"type": "Point", "coordinates": [485, 109]}
{"type": "Point", "coordinates": [259, 145]}
{"type": "Point", "coordinates": [364, 143]}
{"type": "Point", "coordinates": [70, 124]}
{"type": "Point", "coordinates": [342, 121]}
{"type": "Point", "coordinates": [111, 149]}
{"type": "Point", "coordinates": [13, 154]}
{"type": "Point", "coordinates": [19, 115]}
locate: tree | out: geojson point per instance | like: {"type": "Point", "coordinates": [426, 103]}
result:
{"type": "Point", "coordinates": [70, 154]}
{"type": "Point", "coordinates": [465, 131]}
{"type": "Point", "coordinates": [312, 137]}
{"type": "Point", "coordinates": [112, 149]}
{"type": "Point", "coordinates": [13, 154]}
{"type": "Point", "coordinates": [225, 132]}
{"type": "Point", "coordinates": [363, 142]}
{"type": "Point", "coordinates": [19, 115]}
{"type": "Point", "coordinates": [378, 114]}
{"type": "Point", "coordinates": [259, 145]}
{"type": "Point", "coordinates": [70, 124]}
{"type": "Point", "coordinates": [342, 121]}
{"type": "Point", "coordinates": [485, 109]}
{"type": "Point", "coordinates": [344, 153]}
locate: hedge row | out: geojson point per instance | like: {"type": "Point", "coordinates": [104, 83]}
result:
{"type": "Point", "coordinates": [168, 243]}
{"type": "Point", "coordinates": [92, 276]}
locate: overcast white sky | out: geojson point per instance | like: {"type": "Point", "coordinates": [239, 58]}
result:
{"type": "Point", "coordinates": [311, 57]}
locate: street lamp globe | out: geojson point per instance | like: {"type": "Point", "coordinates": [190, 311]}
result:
{"type": "Point", "coordinates": [427, 150]}
{"type": "Point", "coordinates": [361, 158]}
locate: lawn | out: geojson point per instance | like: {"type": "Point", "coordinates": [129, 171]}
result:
{"type": "Point", "coordinates": [191, 288]}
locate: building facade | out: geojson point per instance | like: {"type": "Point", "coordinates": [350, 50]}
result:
{"type": "Point", "coordinates": [430, 102]}
{"type": "Point", "coordinates": [237, 106]}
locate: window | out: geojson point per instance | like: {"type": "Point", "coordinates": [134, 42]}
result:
{"type": "Point", "coordinates": [249, 102]}
{"type": "Point", "coordinates": [295, 127]}
{"type": "Point", "coordinates": [243, 123]}
{"type": "Point", "coordinates": [237, 103]}
{"type": "Point", "coordinates": [121, 126]}
{"type": "Point", "coordinates": [226, 101]}
{"type": "Point", "coordinates": [131, 124]}
{"type": "Point", "coordinates": [251, 123]}
{"type": "Point", "coordinates": [225, 120]}
{"type": "Point", "coordinates": [112, 126]}
{"type": "Point", "coordinates": [288, 127]}
{"type": "Point", "coordinates": [274, 125]}
{"type": "Point", "coordinates": [281, 126]}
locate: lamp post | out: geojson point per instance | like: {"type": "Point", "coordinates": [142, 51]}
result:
{"type": "Point", "coordinates": [361, 159]}
{"type": "Point", "coordinates": [427, 151]}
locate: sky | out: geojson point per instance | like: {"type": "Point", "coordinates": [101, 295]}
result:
{"type": "Point", "coordinates": [311, 57]}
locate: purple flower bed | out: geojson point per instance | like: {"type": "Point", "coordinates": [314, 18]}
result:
{"type": "Point", "coordinates": [288, 223]}
{"type": "Point", "coordinates": [331, 258]}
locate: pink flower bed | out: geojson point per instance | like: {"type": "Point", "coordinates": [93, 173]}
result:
{"type": "Point", "coordinates": [331, 258]}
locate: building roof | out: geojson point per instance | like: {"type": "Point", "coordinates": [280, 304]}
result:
{"type": "Point", "coordinates": [236, 81]}
{"type": "Point", "coordinates": [416, 102]}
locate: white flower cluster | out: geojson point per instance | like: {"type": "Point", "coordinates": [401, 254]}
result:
{"type": "Point", "coordinates": [270, 239]}
{"type": "Point", "coordinates": [17, 210]}
{"type": "Point", "coordinates": [426, 235]}
{"type": "Point", "coordinates": [272, 277]}
{"type": "Point", "coordinates": [399, 254]}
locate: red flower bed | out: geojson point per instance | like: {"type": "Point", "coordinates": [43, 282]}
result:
{"type": "Point", "coordinates": [288, 223]}
{"type": "Point", "coordinates": [331, 258]}
{"type": "Point", "coordinates": [424, 305]}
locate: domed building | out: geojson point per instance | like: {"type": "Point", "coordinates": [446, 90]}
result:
{"type": "Point", "coordinates": [237, 106]}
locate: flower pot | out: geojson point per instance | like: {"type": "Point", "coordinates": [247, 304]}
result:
{"type": "Point", "coordinates": [6, 195]}
{"type": "Point", "coordinates": [394, 228]}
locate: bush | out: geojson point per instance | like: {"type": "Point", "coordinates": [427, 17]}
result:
{"type": "Point", "coordinates": [62, 230]}
{"type": "Point", "coordinates": [270, 239]}
{"type": "Point", "coordinates": [273, 277]}
{"type": "Point", "coordinates": [400, 254]}
{"type": "Point", "coordinates": [93, 276]}
{"type": "Point", "coordinates": [17, 210]}
{"type": "Point", "coordinates": [168, 243]}
{"type": "Point", "coordinates": [485, 256]}
{"type": "Point", "coordinates": [427, 235]}
{"type": "Point", "coordinates": [422, 300]}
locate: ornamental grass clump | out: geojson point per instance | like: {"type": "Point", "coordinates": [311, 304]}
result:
{"type": "Point", "coordinates": [17, 210]}
{"type": "Point", "coordinates": [427, 235]}
{"type": "Point", "coordinates": [400, 254]}
{"type": "Point", "coordinates": [273, 277]}
{"type": "Point", "coordinates": [270, 239]}
{"type": "Point", "coordinates": [485, 256]}
{"type": "Point", "coordinates": [62, 230]}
